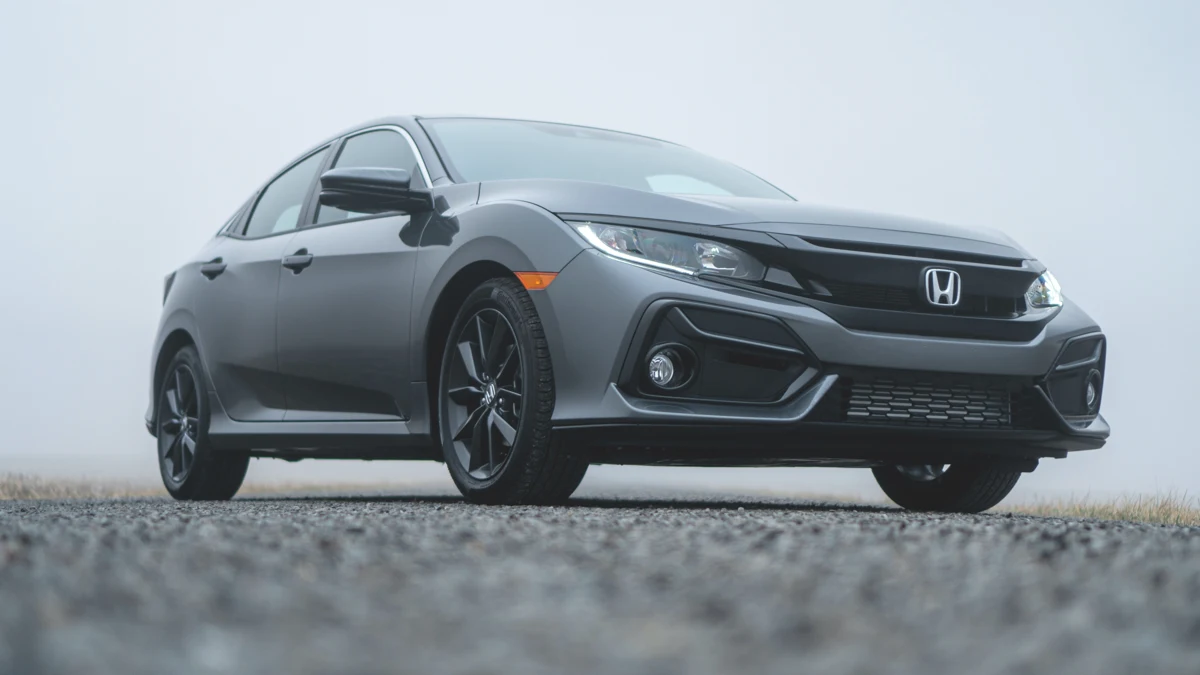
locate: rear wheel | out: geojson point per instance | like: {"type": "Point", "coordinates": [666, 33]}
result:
{"type": "Point", "coordinates": [190, 468]}
{"type": "Point", "coordinates": [495, 400]}
{"type": "Point", "coordinates": [960, 488]}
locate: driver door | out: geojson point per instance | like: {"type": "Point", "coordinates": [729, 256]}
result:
{"type": "Point", "coordinates": [344, 303]}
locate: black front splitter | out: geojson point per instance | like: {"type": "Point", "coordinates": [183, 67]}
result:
{"type": "Point", "coordinates": [824, 443]}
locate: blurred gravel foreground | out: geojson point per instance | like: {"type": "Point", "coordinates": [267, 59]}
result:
{"type": "Point", "coordinates": [612, 584]}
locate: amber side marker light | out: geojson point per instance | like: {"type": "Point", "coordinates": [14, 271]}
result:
{"type": "Point", "coordinates": [536, 281]}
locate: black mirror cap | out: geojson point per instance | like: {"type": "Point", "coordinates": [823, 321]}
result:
{"type": "Point", "coordinates": [373, 190]}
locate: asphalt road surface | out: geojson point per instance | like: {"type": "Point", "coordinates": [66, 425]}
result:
{"type": "Point", "coordinates": [625, 584]}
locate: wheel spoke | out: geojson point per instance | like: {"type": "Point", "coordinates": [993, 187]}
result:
{"type": "Point", "coordinates": [173, 402]}
{"type": "Point", "coordinates": [467, 354]}
{"type": "Point", "coordinates": [490, 434]}
{"type": "Point", "coordinates": [169, 447]}
{"type": "Point", "coordinates": [483, 363]}
{"type": "Point", "coordinates": [466, 396]}
{"type": "Point", "coordinates": [177, 457]}
{"type": "Point", "coordinates": [472, 421]}
{"type": "Point", "coordinates": [479, 446]}
{"type": "Point", "coordinates": [506, 430]}
{"type": "Point", "coordinates": [508, 367]}
{"type": "Point", "coordinates": [500, 333]}
{"type": "Point", "coordinates": [188, 452]}
{"type": "Point", "coordinates": [509, 394]}
{"type": "Point", "coordinates": [183, 389]}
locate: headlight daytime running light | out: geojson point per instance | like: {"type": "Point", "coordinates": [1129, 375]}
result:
{"type": "Point", "coordinates": [670, 251]}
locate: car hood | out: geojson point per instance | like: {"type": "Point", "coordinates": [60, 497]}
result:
{"type": "Point", "coordinates": [584, 200]}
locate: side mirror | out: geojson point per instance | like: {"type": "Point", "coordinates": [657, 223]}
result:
{"type": "Point", "coordinates": [373, 190]}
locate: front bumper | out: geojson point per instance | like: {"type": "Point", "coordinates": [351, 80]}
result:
{"type": "Point", "coordinates": [598, 311]}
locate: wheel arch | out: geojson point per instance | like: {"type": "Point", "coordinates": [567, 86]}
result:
{"type": "Point", "coordinates": [176, 340]}
{"type": "Point", "coordinates": [441, 318]}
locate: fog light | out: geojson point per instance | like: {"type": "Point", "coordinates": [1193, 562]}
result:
{"type": "Point", "coordinates": [663, 367]}
{"type": "Point", "coordinates": [1091, 394]}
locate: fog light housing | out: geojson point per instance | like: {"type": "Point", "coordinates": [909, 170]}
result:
{"type": "Point", "coordinates": [669, 367]}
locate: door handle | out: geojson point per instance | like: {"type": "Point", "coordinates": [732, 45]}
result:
{"type": "Point", "coordinates": [297, 261]}
{"type": "Point", "coordinates": [213, 268]}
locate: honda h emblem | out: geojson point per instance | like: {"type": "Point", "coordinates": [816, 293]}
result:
{"type": "Point", "coordinates": [942, 287]}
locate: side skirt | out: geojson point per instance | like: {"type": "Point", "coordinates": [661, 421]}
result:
{"type": "Point", "coordinates": [323, 440]}
{"type": "Point", "coordinates": [327, 439]}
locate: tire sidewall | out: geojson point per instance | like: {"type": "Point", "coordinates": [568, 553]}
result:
{"type": "Point", "coordinates": [514, 473]}
{"type": "Point", "coordinates": [956, 490]}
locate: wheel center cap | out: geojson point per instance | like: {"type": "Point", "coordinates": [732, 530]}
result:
{"type": "Point", "coordinates": [489, 393]}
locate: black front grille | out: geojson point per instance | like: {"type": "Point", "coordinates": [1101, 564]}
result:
{"type": "Point", "coordinates": [862, 295]}
{"type": "Point", "coordinates": [926, 401]}
{"type": "Point", "coordinates": [881, 288]}
{"type": "Point", "coordinates": [907, 299]}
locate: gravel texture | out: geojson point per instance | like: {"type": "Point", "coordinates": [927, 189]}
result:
{"type": "Point", "coordinates": [428, 584]}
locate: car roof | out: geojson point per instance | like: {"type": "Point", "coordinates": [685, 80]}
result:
{"type": "Point", "coordinates": [407, 121]}
{"type": "Point", "coordinates": [521, 119]}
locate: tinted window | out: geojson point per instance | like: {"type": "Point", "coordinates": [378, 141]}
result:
{"type": "Point", "coordinates": [278, 209]}
{"type": "Point", "coordinates": [381, 149]}
{"type": "Point", "coordinates": [488, 149]}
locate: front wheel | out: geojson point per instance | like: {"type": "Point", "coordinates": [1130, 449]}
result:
{"type": "Point", "coordinates": [190, 467]}
{"type": "Point", "coordinates": [495, 401]}
{"type": "Point", "coordinates": [958, 488]}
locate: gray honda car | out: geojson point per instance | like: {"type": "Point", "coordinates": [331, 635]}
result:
{"type": "Point", "coordinates": [523, 299]}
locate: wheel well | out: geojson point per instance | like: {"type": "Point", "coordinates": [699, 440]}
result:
{"type": "Point", "coordinates": [444, 310]}
{"type": "Point", "coordinates": [178, 339]}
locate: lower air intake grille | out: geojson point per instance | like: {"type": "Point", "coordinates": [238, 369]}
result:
{"type": "Point", "coordinates": [926, 403]}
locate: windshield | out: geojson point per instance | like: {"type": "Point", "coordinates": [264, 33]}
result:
{"type": "Point", "coordinates": [487, 149]}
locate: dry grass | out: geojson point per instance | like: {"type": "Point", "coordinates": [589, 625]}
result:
{"type": "Point", "coordinates": [1170, 508]}
{"type": "Point", "coordinates": [22, 486]}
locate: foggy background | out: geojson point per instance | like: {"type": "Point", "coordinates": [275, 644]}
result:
{"type": "Point", "coordinates": [132, 131]}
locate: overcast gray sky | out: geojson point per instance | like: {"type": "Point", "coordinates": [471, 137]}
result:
{"type": "Point", "coordinates": [134, 129]}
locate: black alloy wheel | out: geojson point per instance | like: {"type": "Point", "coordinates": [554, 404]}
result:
{"type": "Point", "coordinates": [486, 393]}
{"type": "Point", "coordinates": [191, 468]}
{"type": "Point", "coordinates": [179, 424]}
{"type": "Point", "coordinates": [495, 400]}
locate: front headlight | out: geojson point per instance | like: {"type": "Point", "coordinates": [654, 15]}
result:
{"type": "Point", "coordinates": [670, 251]}
{"type": "Point", "coordinates": [1045, 292]}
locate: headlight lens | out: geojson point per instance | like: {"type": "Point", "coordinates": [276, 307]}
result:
{"type": "Point", "coordinates": [1045, 292]}
{"type": "Point", "coordinates": [670, 251]}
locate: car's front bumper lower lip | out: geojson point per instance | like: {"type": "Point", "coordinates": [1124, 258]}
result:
{"type": "Point", "coordinates": [592, 342]}
{"type": "Point", "coordinates": [633, 430]}
{"type": "Point", "coordinates": [819, 444]}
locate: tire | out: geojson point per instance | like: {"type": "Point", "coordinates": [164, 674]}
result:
{"type": "Point", "coordinates": [190, 467]}
{"type": "Point", "coordinates": [961, 488]}
{"type": "Point", "coordinates": [495, 401]}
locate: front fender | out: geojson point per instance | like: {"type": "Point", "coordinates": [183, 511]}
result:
{"type": "Point", "coordinates": [519, 236]}
{"type": "Point", "coordinates": [176, 321]}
